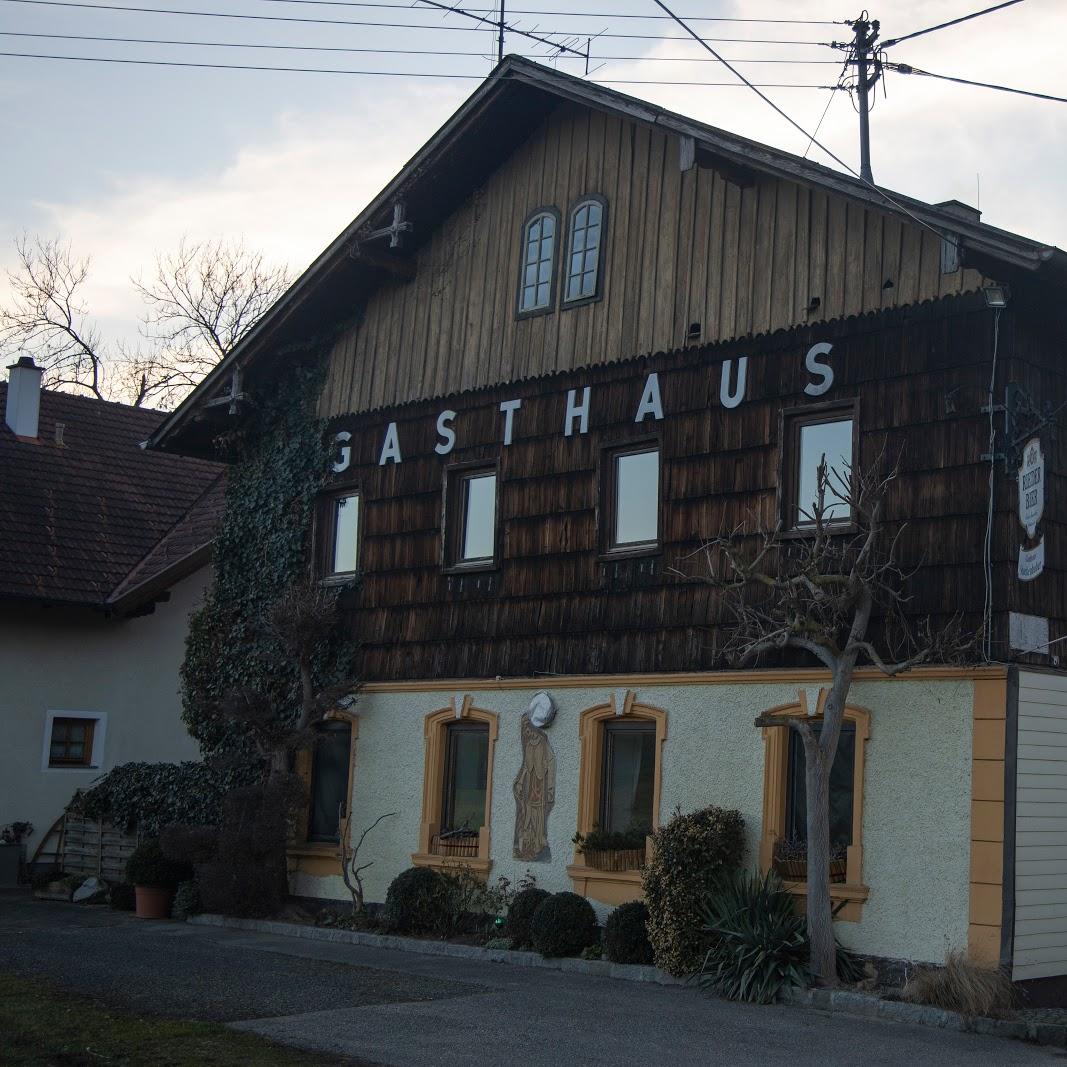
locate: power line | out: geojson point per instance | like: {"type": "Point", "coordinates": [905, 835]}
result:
{"type": "Point", "coordinates": [391, 25]}
{"type": "Point", "coordinates": [904, 68]}
{"type": "Point", "coordinates": [383, 51]}
{"type": "Point", "coordinates": [500, 25]}
{"type": "Point", "coordinates": [826, 110]}
{"type": "Point", "coordinates": [575, 14]}
{"type": "Point", "coordinates": [377, 73]}
{"type": "Point", "coordinates": [796, 125]}
{"type": "Point", "coordinates": [952, 22]}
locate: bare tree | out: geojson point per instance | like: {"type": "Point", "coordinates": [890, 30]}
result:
{"type": "Point", "coordinates": [201, 301]}
{"type": "Point", "coordinates": [351, 869]}
{"type": "Point", "coordinates": [46, 317]}
{"type": "Point", "coordinates": [820, 594]}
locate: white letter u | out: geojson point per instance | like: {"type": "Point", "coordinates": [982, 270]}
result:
{"type": "Point", "coordinates": [730, 399]}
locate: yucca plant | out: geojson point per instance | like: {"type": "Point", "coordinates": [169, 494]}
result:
{"type": "Point", "coordinates": [759, 943]}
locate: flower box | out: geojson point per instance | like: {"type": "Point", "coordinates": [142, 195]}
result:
{"type": "Point", "coordinates": [796, 870]}
{"type": "Point", "coordinates": [615, 859]}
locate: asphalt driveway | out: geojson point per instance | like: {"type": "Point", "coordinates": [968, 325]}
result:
{"type": "Point", "coordinates": [410, 1010]}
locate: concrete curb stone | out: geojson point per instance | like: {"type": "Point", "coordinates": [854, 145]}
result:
{"type": "Point", "coordinates": [599, 968]}
{"type": "Point", "coordinates": [847, 1001]}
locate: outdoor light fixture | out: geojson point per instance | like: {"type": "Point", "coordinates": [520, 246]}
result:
{"type": "Point", "coordinates": [996, 296]}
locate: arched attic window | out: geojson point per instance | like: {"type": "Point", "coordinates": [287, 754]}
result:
{"type": "Point", "coordinates": [537, 281]}
{"type": "Point", "coordinates": [584, 243]}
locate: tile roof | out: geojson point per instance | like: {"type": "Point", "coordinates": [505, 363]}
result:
{"type": "Point", "coordinates": [77, 517]}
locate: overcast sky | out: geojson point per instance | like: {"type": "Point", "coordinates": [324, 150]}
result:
{"type": "Point", "coordinates": [123, 160]}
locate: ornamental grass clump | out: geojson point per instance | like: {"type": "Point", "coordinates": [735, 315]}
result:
{"type": "Point", "coordinates": [626, 934]}
{"type": "Point", "coordinates": [961, 986]}
{"type": "Point", "coordinates": [758, 941]}
{"type": "Point", "coordinates": [520, 913]}
{"type": "Point", "coordinates": [688, 854]}
{"type": "Point", "coordinates": [563, 925]}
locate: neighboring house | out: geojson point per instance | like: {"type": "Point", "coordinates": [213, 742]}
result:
{"type": "Point", "coordinates": [578, 334]}
{"type": "Point", "coordinates": [104, 552]}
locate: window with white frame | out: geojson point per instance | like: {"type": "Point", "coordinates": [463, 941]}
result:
{"type": "Point", "coordinates": [73, 740]}
{"type": "Point", "coordinates": [537, 281]}
{"type": "Point", "coordinates": [583, 251]}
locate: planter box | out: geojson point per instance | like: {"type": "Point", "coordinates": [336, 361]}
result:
{"type": "Point", "coordinates": [10, 865]}
{"type": "Point", "coordinates": [797, 870]}
{"type": "Point", "coordinates": [616, 859]}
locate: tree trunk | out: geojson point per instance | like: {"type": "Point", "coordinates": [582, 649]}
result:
{"type": "Point", "coordinates": [823, 962]}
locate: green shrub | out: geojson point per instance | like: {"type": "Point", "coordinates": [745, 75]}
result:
{"type": "Point", "coordinates": [626, 934]}
{"type": "Point", "coordinates": [563, 925]}
{"type": "Point", "coordinates": [598, 840]}
{"type": "Point", "coordinates": [759, 941]}
{"type": "Point", "coordinates": [688, 853]}
{"type": "Point", "coordinates": [186, 901]}
{"type": "Point", "coordinates": [121, 897]}
{"type": "Point", "coordinates": [417, 901]}
{"type": "Point", "coordinates": [149, 867]}
{"type": "Point", "coordinates": [526, 902]}
{"type": "Point", "coordinates": [499, 943]}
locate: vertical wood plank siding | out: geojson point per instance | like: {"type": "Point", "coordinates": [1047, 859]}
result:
{"type": "Point", "coordinates": [681, 247]}
{"type": "Point", "coordinates": [555, 606]}
{"type": "Point", "coordinates": [1041, 828]}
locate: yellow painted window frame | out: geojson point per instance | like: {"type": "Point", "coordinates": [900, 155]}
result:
{"type": "Point", "coordinates": [611, 887]}
{"type": "Point", "coordinates": [852, 893]}
{"type": "Point", "coordinates": [321, 859]}
{"type": "Point", "coordinates": [435, 731]}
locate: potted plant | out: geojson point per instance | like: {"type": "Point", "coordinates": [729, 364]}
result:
{"type": "Point", "coordinates": [613, 850]}
{"type": "Point", "coordinates": [11, 852]}
{"type": "Point", "coordinates": [791, 861]}
{"type": "Point", "coordinates": [154, 879]}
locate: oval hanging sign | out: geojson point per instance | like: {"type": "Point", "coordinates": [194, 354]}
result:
{"type": "Point", "coordinates": [1031, 486]}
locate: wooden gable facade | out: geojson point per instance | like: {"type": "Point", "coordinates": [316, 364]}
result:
{"type": "Point", "coordinates": [690, 242]}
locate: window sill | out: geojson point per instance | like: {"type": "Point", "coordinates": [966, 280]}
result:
{"type": "Point", "coordinates": [488, 567]}
{"type": "Point", "coordinates": [316, 860]}
{"type": "Point", "coordinates": [831, 529]}
{"type": "Point", "coordinates": [479, 866]}
{"type": "Point", "coordinates": [851, 897]}
{"type": "Point", "coordinates": [608, 887]}
{"type": "Point", "coordinates": [647, 549]}
{"type": "Point", "coordinates": [348, 578]}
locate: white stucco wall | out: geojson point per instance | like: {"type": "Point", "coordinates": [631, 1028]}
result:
{"type": "Point", "coordinates": [916, 807]}
{"type": "Point", "coordinates": [64, 661]}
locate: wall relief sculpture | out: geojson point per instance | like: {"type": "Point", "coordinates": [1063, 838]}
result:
{"type": "Point", "coordinates": [535, 793]}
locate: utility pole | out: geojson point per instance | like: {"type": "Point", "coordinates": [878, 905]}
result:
{"type": "Point", "coordinates": [863, 54]}
{"type": "Point", "coordinates": [500, 36]}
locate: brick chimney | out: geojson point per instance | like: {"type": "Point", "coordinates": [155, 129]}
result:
{"type": "Point", "coordinates": [24, 398]}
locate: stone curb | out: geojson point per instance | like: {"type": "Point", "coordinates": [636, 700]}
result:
{"type": "Point", "coordinates": [873, 1007]}
{"type": "Point", "coordinates": [601, 968]}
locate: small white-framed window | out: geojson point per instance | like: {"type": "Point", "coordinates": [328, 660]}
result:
{"type": "Point", "coordinates": [584, 245]}
{"type": "Point", "coordinates": [73, 741]}
{"type": "Point", "coordinates": [537, 280]}
{"type": "Point", "coordinates": [344, 539]}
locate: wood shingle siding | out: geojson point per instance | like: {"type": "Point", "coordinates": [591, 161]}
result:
{"type": "Point", "coordinates": [680, 247]}
{"type": "Point", "coordinates": [554, 605]}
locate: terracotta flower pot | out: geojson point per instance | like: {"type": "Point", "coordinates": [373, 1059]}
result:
{"type": "Point", "coordinates": [152, 902]}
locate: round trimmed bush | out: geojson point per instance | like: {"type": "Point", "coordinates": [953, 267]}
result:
{"type": "Point", "coordinates": [689, 854]}
{"type": "Point", "coordinates": [563, 925]}
{"type": "Point", "coordinates": [417, 901]}
{"type": "Point", "coordinates": [121, 897]}
{"type": "Point", "coordinates": [525, 903]}
{"type": "Point", "coordinates": [626, 934]}
{"type": "Point", "coordinates": [148, 866]}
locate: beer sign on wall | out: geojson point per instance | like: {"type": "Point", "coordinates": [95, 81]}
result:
{"type": "Point", "coordinates": [1031, 508]}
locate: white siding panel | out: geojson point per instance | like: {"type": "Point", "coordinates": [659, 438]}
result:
{"type": "Point", "coordinates": [1040, 948]}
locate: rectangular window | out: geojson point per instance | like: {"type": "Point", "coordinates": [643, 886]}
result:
{"type": "Point", "coordinates": [329, 781]}
{"type": "Point", "coordinates": [812, 440]}
{"type": "Point", "coordinates": [841, 790]}
{"type": "Point", "coordinates": [628, 777]}
{"type": "Point", "coordinates": [340, 547]}
{"type": "Point", "coordinates": [631, 499]}
{"type": "Point", "coordinates": [71, 743]}
{"type": "Point", "coordinates": [470, 524]}
{"type": "Point", "coordinates": [466, 771]}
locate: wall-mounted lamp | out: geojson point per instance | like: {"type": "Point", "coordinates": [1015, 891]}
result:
{"type": "Point", "coordinates": [996, 296]}
{"type": "Point", "coordinates": [694, 331]}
